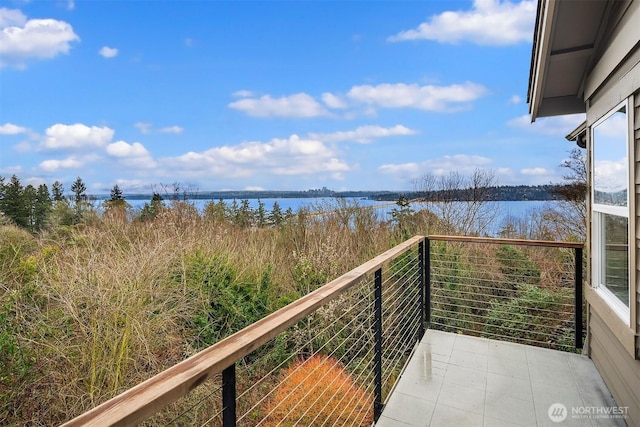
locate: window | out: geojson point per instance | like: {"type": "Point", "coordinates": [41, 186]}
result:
{"type": "Point", "coordinates": [610, 197]}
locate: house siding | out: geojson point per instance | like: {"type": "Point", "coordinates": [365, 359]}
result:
{"type": "Point", "coordinates": [620, 372]}
{"type": "Point", "coordinates": [636, 145]}
{"type": "Point", "coordinates": [611, 344]}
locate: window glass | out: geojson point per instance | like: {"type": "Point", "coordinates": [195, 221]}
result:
{"type": "Point", "coordinates": [610, 208]}
{"type": "Point", "coordinates": [610, 160]}
{"type": "Point", "coordinates": [616, 256]}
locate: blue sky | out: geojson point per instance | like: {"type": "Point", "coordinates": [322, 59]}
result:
{"type": "Point", "coordinates": [277, 95]}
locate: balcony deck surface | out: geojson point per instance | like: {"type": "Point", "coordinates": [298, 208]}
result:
{"type": "Point", "coordinates": [457, 380]}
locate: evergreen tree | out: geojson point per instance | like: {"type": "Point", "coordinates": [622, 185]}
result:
{"type": "Point", "coordinates": [29, 197]}
{"type": "Point", "coordinates": [57, 192]}
{"type": "Point", "coordinates": [215, 211]}
{"type": "Point", "coordinates": [401, 215]}
{"type": "Point", "coordinates": [116, 201]}
{"type": "Point", "coordinates": [245, 214]}
{"type": "Point", "coordinates": [42, 208]}
{"type": "Point", "coordinates": [234, 211]}
{"type": "Point", "coordinates": [79, 188]}
{"type": "Point", "coordinates": [151, 210]}
{"type": "Point", "coordinates": [288, 214]}
{"type": "Point", "coordinates": [261, 214]}
{"type": "Point", "coordinates": [116, 194]}
{"type": "Point", "coordinates": [276, 216]}
{"type": "Point", "coordinates": [13, 203]}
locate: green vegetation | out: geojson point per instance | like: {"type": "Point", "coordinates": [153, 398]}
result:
{"type": "Point", "coordinates": [95, 299]}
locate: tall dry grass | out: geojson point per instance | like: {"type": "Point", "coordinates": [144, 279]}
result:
{"type": "Point", "coordinates": [92, 310]}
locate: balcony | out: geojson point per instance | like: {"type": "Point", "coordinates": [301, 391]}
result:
{"type": "Point", "coordinates": [435, 331]}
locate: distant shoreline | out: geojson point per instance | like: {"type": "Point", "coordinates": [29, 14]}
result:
{"type": "Point", "coordinates": [502, 193]}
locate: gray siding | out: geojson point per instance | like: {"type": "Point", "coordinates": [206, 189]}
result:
{"type": "Point", "coordinates": [636, 145]}
{"type": "Point", "coordinates": [620, 372]}
{"type": "Point", "coordinates": [617, 366]}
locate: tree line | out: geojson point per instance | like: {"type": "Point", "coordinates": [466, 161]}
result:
{"type": "Point", "coordinates": [37, 208]}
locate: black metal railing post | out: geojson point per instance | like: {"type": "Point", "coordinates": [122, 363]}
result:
{"type": "Point", "coordinates": [421, 284]}
{"type": "Point", "coordinates": [229, 396]}
{"type": "Point", "coordinates": [427, 282]}
{"type": "Point", "coordinates": [377, 404]}
{"type": "Point", "coordinates": [578, 296]}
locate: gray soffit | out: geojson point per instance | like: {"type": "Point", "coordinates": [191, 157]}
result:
{"type": "Point", "coordinates": [565, 39]}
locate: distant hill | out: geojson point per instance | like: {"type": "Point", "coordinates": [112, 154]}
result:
{"type": "Point", "coordinates": [502, 193]}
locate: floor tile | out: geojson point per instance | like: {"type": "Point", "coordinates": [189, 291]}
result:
{"type": "Point", "coordinates": [466, 377]}
{"type": "Point", "coordinates": [456, 380]}
{"type": "Point", "coordinates": [546, 357]}
{"type": "Point", "coordinates": [446, 416]}
{"type": "Point", "coordinates": [551, 375]}
{"type": "Point", "coordinates": [507, 386]}
{"type": "Point", "coordinates": [408, 409]}
{"type": "Point", "coordinates": [471, 344]}
{"type": "Point", "coordinates": [462, 397]}
{"type": "Point", "coordinates": [508, 367]}
{"type": "Point", "coordinates": [469, 359]}
{"type": "Point", "coordinates": [507, 350]}
{"type": "Point", "coordinates": [509, 409]}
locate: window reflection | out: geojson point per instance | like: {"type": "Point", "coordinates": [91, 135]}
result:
{"type": "Point", "coordinates": [610, 160]}
{"type": "Point", "coordinates": [615, 256]}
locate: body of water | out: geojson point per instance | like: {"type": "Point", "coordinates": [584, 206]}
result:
{"type": "Point", "coordinates": [503, 209]}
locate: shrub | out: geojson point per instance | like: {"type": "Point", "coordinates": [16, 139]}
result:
{"type": "Point", "coordinates": [516, 265]}
{"type": "Point", "coordinates": [319, 390]}
{"type": "Point", "coordinates": [532, 316]}
{"type": "Point", "coordinates": [230, 302]}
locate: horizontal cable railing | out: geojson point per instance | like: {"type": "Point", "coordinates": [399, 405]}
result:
{"type": "Point", "coordinates": [328, 359]}
{"type": "Point", "coordinates": [522, 291]}
{"type": "Point", "coordinates": [332, 357]}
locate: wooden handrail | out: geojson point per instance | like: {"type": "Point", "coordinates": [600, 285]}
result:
{"type": "Point", "coordinates": [469, 239]}
{"type": "Point", "coordinates": [150, 396]}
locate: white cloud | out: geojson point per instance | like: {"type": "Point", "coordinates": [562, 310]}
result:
{"type": "Point", "coordinates": [297, 105]}
{"type": "Point", "coordinates": [462, 163]}
{"type": "Point", "coordinates": [515, 100]}
{"type": "Point", "coordinates": [22, 39]}
{"type": "Point", "coordinates": [535, 171]}
{"type": "Point", "coordinates": [71, 5]}
{"type": "Point", "coordinates": [489, 22]}
{"type": "Point", "coordinates": [55, 165]}
{"type": "Point", "coordinates": [172, 129]}
{"type": "Point", "coordinates": [554, 126]}
{"type": "Point", "coordinates": [408, 171]}
{"type": "Point", "coordinates": [11, 18]}
{"type": "Point", "coordinates": [611, 175]}
{"type": "Point", "coordinates": [11, 129]}
{"type": "Point", "coordinates": [134, 155]}
{"type": "Point", "coordinates": [144, 128]}
{"type": "Point", "coordinates": [254, 188]}
{"type": "Point", "coordinates": [613, 127]}
{"type": "Point", "coordinates": [291, 156]}
{"type": "Point", "coordinates": [332, 101]}
{"type": "Point", "coordinates": [108, 52]}
{"type": "Point", "coordinates": [78, 135]}
{"type": "Point", "coordinates": [11, 170]}
{"type": "Point", "coordinates": [242, 94]}
{"type": "Point", "coordinates": [124, 149]}
{"type": "Point", "coordinates": [364, 134]}
{"type": "Point", "coordinates": [428, 98]}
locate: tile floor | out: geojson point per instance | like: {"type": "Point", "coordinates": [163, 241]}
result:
{"type": "Point", "coordinates": [457, 380]}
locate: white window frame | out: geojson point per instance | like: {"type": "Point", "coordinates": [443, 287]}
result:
{"type": "Point", "coordinates": [622, 310]}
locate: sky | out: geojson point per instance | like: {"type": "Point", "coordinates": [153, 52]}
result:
{"type": "Point", "coordinates": [273, 95]}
